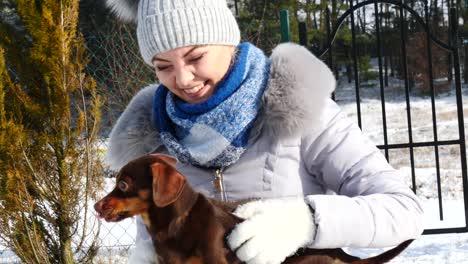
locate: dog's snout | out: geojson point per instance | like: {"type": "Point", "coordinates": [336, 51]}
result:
{"type": "Point", "coordinates": [100, 206]}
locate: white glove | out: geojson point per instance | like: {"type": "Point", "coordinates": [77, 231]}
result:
{"type": "Point", "coordinates": [143, 253]}
{"type": "Point", "coordinates": [272, 230]}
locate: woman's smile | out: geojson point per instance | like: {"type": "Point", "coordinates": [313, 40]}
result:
{"type": "Point", "coordinates": [197, 91]}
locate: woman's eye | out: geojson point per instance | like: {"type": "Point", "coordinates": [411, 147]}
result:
{"type": "Point", "coordinates": [195, 59]}
{"type": "Point", "coordinates": [123, 186]}
{"type": "Point", "coordinates": [162, 68]}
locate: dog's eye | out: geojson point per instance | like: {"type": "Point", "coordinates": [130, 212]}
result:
{"type": "Point", "coordinates": [123, 186]}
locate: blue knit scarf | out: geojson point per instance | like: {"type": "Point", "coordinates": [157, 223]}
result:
{"type": "Point", "coordinates": [214, 133]}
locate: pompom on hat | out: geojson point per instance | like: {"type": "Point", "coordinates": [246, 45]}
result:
{"type": "Point", "coordinates": [163, 25]}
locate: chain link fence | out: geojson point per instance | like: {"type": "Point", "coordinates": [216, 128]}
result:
{"type": "Point", "coordinates": [119, 72]}
{"type": "Point", "coordinates": [116, 65]}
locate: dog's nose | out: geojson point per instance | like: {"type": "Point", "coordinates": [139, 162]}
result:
{"type": "Point", "coordinates": [103, 207]}
{"type": "Point", "coordinates": [98, 206]}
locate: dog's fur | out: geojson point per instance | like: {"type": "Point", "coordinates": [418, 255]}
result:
{"type": "Point", "coordinates": [187, 227]}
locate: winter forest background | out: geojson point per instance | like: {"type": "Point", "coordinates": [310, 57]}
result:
{"type": "Point", "coordinates": [68, 69]}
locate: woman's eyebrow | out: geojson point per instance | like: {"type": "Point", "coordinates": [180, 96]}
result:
{"type": "Point", "coordinates": [159, 59]}
{"type": "Point", "coordinates": [190, 51]}
{"type": "Point", "coordinates": [185, 55]}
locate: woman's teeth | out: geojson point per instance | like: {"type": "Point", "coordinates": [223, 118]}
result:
{"type": "Point", "coordinates": [194, 89]}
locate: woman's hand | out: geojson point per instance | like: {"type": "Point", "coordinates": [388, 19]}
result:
{"type": "Point", "coordinates": [273, 230]}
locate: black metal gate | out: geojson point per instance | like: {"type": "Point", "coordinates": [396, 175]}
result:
{"type": "Point", "coordinates": [452, 47]}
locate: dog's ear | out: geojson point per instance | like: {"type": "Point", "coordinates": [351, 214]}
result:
{"type": "Point", "coordinates": [168, 183]}
{"type": "Point", "coordinates": [169, 159]}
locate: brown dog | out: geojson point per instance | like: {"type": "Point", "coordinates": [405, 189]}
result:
{"type": "Point", "coordinates": [185, 226]}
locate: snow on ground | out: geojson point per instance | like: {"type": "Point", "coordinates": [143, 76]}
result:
{"type": "Point", "coordinates": [116, 239]}
{"type": "Point", "coordinates": [430, 249]}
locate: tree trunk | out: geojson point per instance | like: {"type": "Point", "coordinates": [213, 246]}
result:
{"type": "Point", "coordinates": [349, 72]}
{"type": "Point", "coordinates": [314, 14]}
{"type": "Point", "coordinates": [411, 81]}
{"type": "Point", "coordinates": [386, 69]}
{"type": "Point", "coordinates": [363, 24]}
{"type": "Point", "coordinates": [66, 253]}
{"type": "Point", "coordinates": [64, 207]}
{"type": "Point", "coordinates": [449, 56]}
{"type": "Point", "coordinates": [392, 63]}
{"type": "Point", "coordinates": [386, 41]}
{"type": "Point", "coordinates": [465, 66]}
{"type": "Point", "coordinates": [334, 14]}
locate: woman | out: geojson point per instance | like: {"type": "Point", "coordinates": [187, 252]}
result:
{"type": "Point", "coordinates": [244, 125]}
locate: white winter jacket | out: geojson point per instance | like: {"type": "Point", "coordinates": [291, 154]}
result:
{"type": "Point", "coordinates": [301, 145]}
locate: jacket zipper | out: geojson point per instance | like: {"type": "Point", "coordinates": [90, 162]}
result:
{"type": "Point", "coordinates": [219, 184]}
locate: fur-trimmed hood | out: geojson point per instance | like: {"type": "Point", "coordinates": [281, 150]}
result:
{"type": "Point", "coordinates": [126, 10]}
{"type": "Point", "coordinates": [297, 91]}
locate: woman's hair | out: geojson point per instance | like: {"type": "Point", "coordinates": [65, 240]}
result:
{"type": "Point", "coordinates": [234, 55]}
{"type": "Point", "coordinates": [163, 25]}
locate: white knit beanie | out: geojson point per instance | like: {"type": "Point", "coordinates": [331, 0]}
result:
{"type": "Point", "coordinates": [168, 24]}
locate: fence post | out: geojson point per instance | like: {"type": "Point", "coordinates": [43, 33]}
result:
{"type": "Point", "coordinates": [284, 23]}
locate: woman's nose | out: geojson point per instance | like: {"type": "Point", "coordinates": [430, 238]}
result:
{"type": "Point", "coordinates": [184, 78]}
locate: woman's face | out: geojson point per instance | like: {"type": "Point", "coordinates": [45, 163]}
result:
{"type": "Point", "coordinates": [192, 72]}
